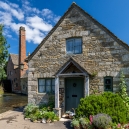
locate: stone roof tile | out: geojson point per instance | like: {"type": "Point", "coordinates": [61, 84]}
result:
{"type": "Point", "coordinates": [15, 58]}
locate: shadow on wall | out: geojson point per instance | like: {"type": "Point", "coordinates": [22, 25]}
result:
{"type": "Point", "coordinates": [7, 86]}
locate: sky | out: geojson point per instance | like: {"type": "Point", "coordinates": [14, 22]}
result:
{"type": "Point", "coordinates": [39, 16]}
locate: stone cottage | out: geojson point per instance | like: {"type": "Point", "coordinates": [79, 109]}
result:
{"type": "Point", "coordinates": [17, 68]}
{"type": "Point", "coordinates": [78, 57]}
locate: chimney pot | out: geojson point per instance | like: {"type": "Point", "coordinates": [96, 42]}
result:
{"type": "Point", "coordinates": [22, 28]}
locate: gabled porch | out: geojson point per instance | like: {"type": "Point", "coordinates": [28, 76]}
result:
{"type": "Point", "coordinates": [71, 84]}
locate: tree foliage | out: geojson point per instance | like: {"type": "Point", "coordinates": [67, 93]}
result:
{"type": "Point", "coordinates": [3, 53]}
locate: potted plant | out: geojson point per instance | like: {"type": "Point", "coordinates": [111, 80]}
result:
{"type": "Point", "coordinates": [84, 122]}
{"type": "Point", "coordinates": [67, 114]}
{"type": "Point", "coordinates": [75, 123]}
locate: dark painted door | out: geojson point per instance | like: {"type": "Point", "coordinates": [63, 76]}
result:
{"type": "Point", "coordinates": [73, 92]}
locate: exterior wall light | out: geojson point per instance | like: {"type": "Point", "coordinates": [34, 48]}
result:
{"type": "Point", "coordinates": [21, 66]}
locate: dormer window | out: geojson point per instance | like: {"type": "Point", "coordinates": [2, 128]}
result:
{"type": "Point", "coordinates": [74, 46]}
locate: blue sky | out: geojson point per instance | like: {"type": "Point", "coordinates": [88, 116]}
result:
{"type": "Point", "coordinates": [39, 16]}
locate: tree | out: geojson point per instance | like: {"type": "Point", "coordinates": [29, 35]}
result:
{"type": "Point", "coordinates": [3, 54]}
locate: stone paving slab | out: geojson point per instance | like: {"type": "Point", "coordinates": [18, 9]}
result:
{"type": "Point", "coordinates": [15, 120]}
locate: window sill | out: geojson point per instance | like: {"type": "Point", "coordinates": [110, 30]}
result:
{"type": "Point", "coordinates": [45, 93]}
{"type": "Point", "coordinates": [72, 54]}
{"type": "Point", "coordinates": [41, 93]}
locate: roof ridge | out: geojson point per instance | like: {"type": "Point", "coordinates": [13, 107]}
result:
{"type": "Point", "coordinates": [13, 54]}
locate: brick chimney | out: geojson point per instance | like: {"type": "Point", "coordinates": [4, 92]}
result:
{"type": "Point", "coordinates": [22, 49]}
{"type": "Point", "coordinates": [22, 45]}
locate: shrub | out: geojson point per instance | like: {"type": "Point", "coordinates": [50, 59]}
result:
{"type": "Point", "coordinates": [85, 122]}
{"type": "Point", "coordinates": [102, 121]}
{"type": "Point", "coordinates": [108, 103]}
{"type": "Point", "coordinates": [75, 123]}
{"type": "Point", "coordinates": [50, 105]}
{"type": "Point", "coordinates": [29, 109]}
{"type": "Point", "coordinates": [49, 116]}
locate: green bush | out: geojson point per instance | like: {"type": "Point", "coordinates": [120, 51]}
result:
{"type": "Point", "coordinates": [50, 105]}
{"type": "Point", "coordinates": [49, 116]}
{"type": "Point", "coordinates": [29, 109]}
{"type": "Point", "coordinates": [108, 103]}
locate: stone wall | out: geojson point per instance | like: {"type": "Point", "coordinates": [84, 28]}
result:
{"type": "Point", "coordinates": [13, 76]}
{"type": "Point", "coordinates": [101, 53]}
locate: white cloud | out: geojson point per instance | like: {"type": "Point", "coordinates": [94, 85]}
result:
{"type": "Point", "coordinates": [46, 12]}
{"type": "Point", "coordinates": [56, 19]}
{"type": "Point", "coordinates": [14, 5]}
{"type": "Point", "coordinates": [5, 18]}
{"type": "Point", "coordinates": [36, 22]}
{"type": "Point", "coordinates": [4, 5]}
{"type": "Point", "coordinates": [17, 13]}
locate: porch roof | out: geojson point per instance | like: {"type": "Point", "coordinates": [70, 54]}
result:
{"type": "Point", "coordinates": [65, 66]}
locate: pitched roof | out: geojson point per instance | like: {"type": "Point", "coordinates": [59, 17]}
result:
{"type": "Point", "coordinates": [14, 58]}
{"type": "Point", "coordinates": [74, 5]}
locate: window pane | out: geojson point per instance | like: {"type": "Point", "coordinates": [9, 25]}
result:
{"type": "Point", "coordinates": [108, 87]}
{"type": "Point", "coordinates": [48, 88]}
{"type": "Point", "coordinates": [107, 81]}
{"type": "Point", "coordinates": [53, 89]}
{"type": "Point", "coordinates": [41, 89]}
{"type": "Point", "coordinates": [41, 81]}
{"type": "Point", "coordinates": [77, 46]}
{"type": "Point", "coordinates": [48, 82]}
{"type": "Point", "coordinates": [53, 81]}
{"type": "Point", "coordinates": [78, 40]}
{"type": "Point", "coordinates": [69, 46]}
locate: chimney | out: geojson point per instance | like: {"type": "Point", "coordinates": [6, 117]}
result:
{"type": "Point", "coordinates": [22, 45]}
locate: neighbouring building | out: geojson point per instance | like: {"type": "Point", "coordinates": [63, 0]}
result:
{"type": "Point", "coordinates": [17, 68]}
{"type": "Point", "coordinates": [78, 57]}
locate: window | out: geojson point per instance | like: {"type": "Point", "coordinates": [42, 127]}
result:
{"type": "Point", "coordinates": [11, 72]}
{"type": "Point", "coordinates": [74, 46]}
{"type": "Point", "coordinates": [108, 83]}
{"type": "Point", "coordinates": [46, 85]}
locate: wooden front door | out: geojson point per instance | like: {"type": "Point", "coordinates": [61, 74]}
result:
{"type": "Point", "coordinates": [73, 92]}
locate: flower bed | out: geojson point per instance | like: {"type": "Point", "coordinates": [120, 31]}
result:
{"type": "Point", "coordinates": [40, 113]}
{"type": "Point", "coordinates": [99, 121]}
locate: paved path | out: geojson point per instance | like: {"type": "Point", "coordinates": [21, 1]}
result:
{"type": "Point", "coordinates": [15, 120]}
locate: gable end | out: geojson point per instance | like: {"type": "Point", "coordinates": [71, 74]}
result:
{"type": "Point", "coordinates": [85, 14]}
